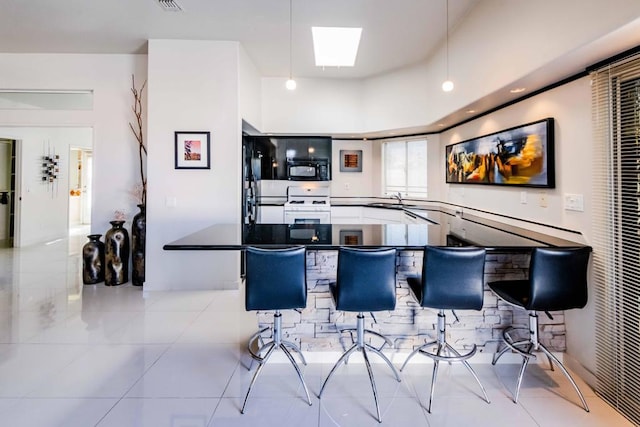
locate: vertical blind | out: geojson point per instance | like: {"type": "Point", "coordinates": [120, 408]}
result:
{"type": "Point", "coordinates": [616, 232]}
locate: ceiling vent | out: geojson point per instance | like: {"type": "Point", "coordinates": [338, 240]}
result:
{"type": "Point", "coordinates": [169, 5]}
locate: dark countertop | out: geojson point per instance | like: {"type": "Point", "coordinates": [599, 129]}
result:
{"type": "Point", "coordinates": [445, 229]}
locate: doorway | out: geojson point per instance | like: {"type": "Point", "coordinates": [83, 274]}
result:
{"type": "Point", "coordinates": [7, 191]}
{"type": "Point", "coordinates": [80, 173]}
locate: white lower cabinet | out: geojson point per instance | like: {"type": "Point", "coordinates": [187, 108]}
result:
{"type": "Point", "coordinates": [346, 214]}
{"type": "Point", "coordinates": [270, 214]}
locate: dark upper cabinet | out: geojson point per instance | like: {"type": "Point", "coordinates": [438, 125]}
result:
{"type": "Point", "coordinates": [268, 156]}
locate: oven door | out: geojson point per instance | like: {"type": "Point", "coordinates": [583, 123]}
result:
{"type": "Point", "coordinates": [307, 217]}
{"type": "Point", "coordinates": [309, 234]}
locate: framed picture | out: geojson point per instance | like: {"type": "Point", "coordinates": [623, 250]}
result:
{"type": "Point", "coordinates": [351, 237]}
{"type": "Point", "coordinates": [192, 150]}
{"type": "Point", "coordinates": [350, 160]}
{"type": "Point", "coordinates": [520, 156]}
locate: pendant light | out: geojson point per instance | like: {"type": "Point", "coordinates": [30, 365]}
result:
{"type": "Point", "coordinates": [447, 85]}
{"type": "Point", "coordinates": [291, 84]}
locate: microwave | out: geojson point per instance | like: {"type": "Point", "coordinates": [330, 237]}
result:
{"type": "Point", "coordinates": [308, 170]}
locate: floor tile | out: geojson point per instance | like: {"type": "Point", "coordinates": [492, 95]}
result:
{"type": "Point", "coordinates": [553, 412]}
{"type": "Point", "coordinates": [24, 366]}
{"type": "Point", "coordinates": [467, 411]}
{"type": "Point", "coordinates": [154, 328]}
{"type": "Point", "coordinates": [189, 370]}
{"type": "Point", "coordinates": [103, 371]}
{"type": "Point", "coordinates": [160, 413]}
{"type": "Point", "coordinates": [260, 411]}
{"type": "Point", "coordinates": [57, 412]}
{"type": "Point", "coordinates": [361, 411]}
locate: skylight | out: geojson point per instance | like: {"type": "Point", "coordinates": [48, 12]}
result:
{"type": "Point", "coordinates": [335, 46]}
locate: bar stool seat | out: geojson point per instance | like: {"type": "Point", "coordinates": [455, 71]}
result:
{"type": "Point", "coordinates": [365, 282]}
{"type": "Point", "coordinates": [452, 279]}
{"type": "Point", "coordinates": [557, 281]}
{"type": "Point", "coordinates": [275, 280]}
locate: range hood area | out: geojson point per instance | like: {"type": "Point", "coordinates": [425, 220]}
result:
{"type": "Point", "coordinates": [285, 157]}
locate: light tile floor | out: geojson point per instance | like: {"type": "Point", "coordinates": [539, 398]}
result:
{"type": "Point", "coordinates": [74, 355]}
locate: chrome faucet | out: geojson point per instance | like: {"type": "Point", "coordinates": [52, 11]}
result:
{"type": "Point", "coordinates": [398, 196]}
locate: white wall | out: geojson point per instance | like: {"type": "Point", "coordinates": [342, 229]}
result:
{"type": "Point", "coordinates": [350, 184]}
{"type": "Point", "coordinates": [193, 86]}
{"type": "Point", "coordinates": [317, 106]}
{"type": "Point", "coordinates": [250, 91]}
{"type": "Point", "coordinates": [115, 149]}
{"type": "Point", "coordinates": [570, 106]}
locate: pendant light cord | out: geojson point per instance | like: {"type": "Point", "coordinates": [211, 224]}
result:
{"type": "Point", "coordinates": [291, 40]}
{"type": "Point", "coordinates": [447, 39]}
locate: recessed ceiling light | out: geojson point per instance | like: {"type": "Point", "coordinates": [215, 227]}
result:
{"type": "Point", "coordinates": [518, 89]}
{"type": "Point", "coordinates": [335, 46]}
{"type": "Point", "coordinates": [441, 125]}
{"type": "Point", "coordinates": [471, 111]}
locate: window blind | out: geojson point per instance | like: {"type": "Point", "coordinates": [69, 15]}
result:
{"type": "Point", "coordinates": [616, 232]}
{"type": "Point", "coordinates": [405, 167]}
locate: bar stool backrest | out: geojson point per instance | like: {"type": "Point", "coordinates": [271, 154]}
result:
{"type": "Point", "coordinates": [366, 279]}
{"type": "Point", "coordinates": [275, 279]}
{"type": "Point", "coordinates": [453, 278]}
{"type": "Point", "coordinates": [558, 278]}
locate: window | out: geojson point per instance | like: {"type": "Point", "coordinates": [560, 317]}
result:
{"type": "Point", "coordinates": [616, 235]}
{"type": "Point", "coordinates": [405, 167]}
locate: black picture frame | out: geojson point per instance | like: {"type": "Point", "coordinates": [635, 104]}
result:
{"type": "Point", "coordinates": [192, 150]}
{"type": "Point", "coordinates": [521, 156]}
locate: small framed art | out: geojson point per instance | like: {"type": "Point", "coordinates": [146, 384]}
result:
{"type": "Point", "coordinates": [192, 150]}
{"type": "Point", "coordinates": [350, 160]}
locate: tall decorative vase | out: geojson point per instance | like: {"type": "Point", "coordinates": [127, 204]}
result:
{"type": "Point", "coordinates": [116, 242]}
{"type": "Point", "coordinates": [93, 260]}
{"type": "Point", "coordinates": [138, 238]}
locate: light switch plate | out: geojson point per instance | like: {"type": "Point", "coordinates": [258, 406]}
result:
{"type": "Point", "coordinates": [523, 197]}
{"type": "Point", "coordinates": [574, 202]}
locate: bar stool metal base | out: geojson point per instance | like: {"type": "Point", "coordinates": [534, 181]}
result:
{"type": "Point", "coordinates": [363, 347]}
{"type": "Point", "coordinates": [525, 348]}
{"type": "Point", "coordinates": [452, 355]}
{"type": "Point", "coordinates": [270, 347]}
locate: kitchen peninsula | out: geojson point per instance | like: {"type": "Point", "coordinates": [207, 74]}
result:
{"type": "Point", "coordinates": [316, 327]}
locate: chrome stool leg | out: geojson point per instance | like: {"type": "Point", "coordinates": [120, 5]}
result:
{"type": "Point", "coordinates": [363, 347]}
{"type": "Point", "coordinates": [277, 342]}
{"type": "Point", "coordinates": [533, 344]}
{"type": "Point", "coordinates": [255, 375]}
{"type": "Point", "coordinates": [450, 355]}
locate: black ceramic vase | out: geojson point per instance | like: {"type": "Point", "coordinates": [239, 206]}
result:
{"type": "Point", "coordinates": [138, 238]}
{"type": "Point", "coordinates": [93, 260]}
{"type": "Point", "coordinates": [116, 243]}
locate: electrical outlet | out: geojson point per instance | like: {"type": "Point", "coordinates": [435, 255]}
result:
{"type": "Point", "coordinates": [542, 200]}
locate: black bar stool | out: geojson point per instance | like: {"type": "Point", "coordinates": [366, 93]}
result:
{"type": "Point", "coordinates": [557, 281]}
{"type": "Point", "coordinates": [275, 280]}
{"type": "Point", "coordinates": [366, 281]}
{"type": "Point", "coordinates": [452, 279]}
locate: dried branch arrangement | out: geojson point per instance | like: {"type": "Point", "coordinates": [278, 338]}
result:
{"type": "Point", "coordinates": [137, 132]}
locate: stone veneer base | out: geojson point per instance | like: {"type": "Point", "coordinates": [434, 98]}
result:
{"type": "Point", "coordinates": [315, 329]}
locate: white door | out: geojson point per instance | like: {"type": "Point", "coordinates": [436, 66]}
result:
{"type": "Point", "coordinates": [87, 173]}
